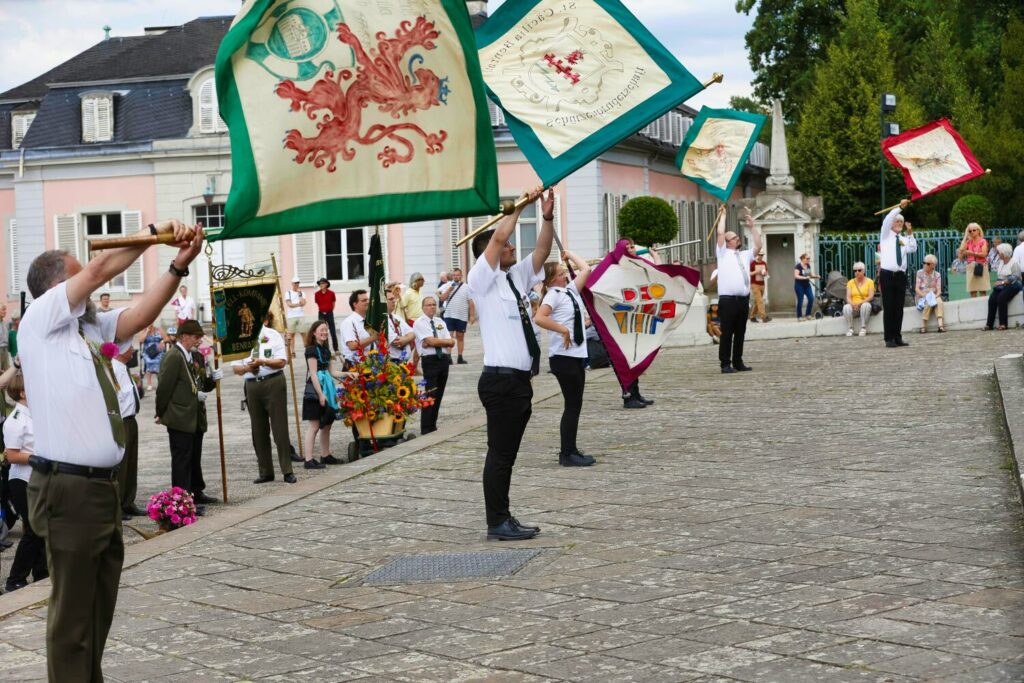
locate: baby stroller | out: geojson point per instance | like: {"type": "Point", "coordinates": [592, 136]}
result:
{"type": "Point", "coordinates": [832, 297]}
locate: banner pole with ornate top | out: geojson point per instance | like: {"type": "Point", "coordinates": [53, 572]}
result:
{"type": "Point", "coordinates": [216, 365]}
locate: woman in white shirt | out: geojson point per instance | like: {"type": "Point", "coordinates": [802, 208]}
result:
{"type": "Point", "coordinates": [561, 313]}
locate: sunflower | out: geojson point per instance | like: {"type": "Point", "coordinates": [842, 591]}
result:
{"type": "Point", "coordinates": [403, 392]}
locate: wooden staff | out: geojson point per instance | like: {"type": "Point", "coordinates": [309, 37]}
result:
{"type": "Point", "coordinates": [988, 171]}
{"type": "Point", "coordinates": [647, 250]}
{"type": "Point", "coordinates": [291, 366]}
{"type": "Point", "coordinates": [714, 225]}
{"type": "Point", "coordinates": [216, 364]}
{"type": "Point", "coordinates": [133, 241]}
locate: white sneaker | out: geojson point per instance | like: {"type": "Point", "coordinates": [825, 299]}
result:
{"type": "Point", "coordinates": [849, 332]}
{"type": "Point", "coordinates": [863, 331]}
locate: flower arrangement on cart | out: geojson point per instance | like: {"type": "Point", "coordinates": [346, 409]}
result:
{"type": "Point", "coordinates": [378, 394]}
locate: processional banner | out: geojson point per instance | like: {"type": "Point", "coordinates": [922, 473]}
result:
{"type": "Point", "coordinates": [932, 158]}
{"type": "Point", "coordinates": [635, 304]}
{"type": "Point", "coordinates": [353, 112]}
{"type": "Point", "coordinates": [576, 77]}
{"type": "Point", "coordinates": [716, 148]}
{"type": "Point", "coordinates": [239, 309]}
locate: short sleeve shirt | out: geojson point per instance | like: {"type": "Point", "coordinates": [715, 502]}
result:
{"type": "Point", "coordinates": [562, 312]}
{"type": "Point", "coordinates": [322, 354]}
{"type": "Point", "coordinates": [859, 292]}
{"type": "Point", "coordinates": [186, 307]}
{"type": "Point", "coordinates": [325, 301]}
{"type": "Point", "coordinates": [69, 414]}
{"type": "Point", "coordinates": [456, 306]}
{"type": "Point", "coordinates": [126, 388]}
{"type": "Point", "coordinates": [293, 297]}
{"type": "Point", "coordinates": [501, 327]}
{"type": "Point", "coordinates": [353, 328]}
{"type": "Point", "coordinates": [732, 265]}
{"type": "Point", "coordinates": [397, 328]}
{"type": "Point", "coordinates": [422, 330]}
{"type": "Point", "coordinates": [272, 347]}
{"type": "Point", "coordinates": [18, 435]}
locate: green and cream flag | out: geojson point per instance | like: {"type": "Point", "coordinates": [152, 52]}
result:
{"type": "Point", "coordinates": [353, 112]}
{"type": "Point", "coordinates": [716, 147]}
{"type": "Point", "coordinates": [575, 78]}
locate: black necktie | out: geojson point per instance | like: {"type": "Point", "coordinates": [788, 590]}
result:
{"type": "Point", "coordinates": [524, 318]}
{"type": "Point", "coordinates": [899, 254]}
{"type": "Point", "coordinates": [437, 349]}
{"type": "Point", "coordinates": [577, 320]}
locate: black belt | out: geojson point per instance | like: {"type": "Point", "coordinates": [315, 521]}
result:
{"type": "Point", "coordinates": [492, 370]}
{"type": "Point", "coordinates": [733, 296]}
{"type": "Point", "coordinates": [40, 464]}
{"type": "Point", "coordinates": [264, 378]}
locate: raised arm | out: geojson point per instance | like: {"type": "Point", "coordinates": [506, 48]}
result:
{"type": "Point", "coordinates": [502, 233]}
{"type": "Point", "coordinates": [547, 231]}
{"type": "Point", "coordinates": [582, 269]}
{"type": "Point", "coordinates": [720, 226]}
{"type": "Point", "coordinates": [755, 234]}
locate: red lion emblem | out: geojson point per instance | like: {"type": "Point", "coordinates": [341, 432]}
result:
{"type": "Point", "coordinates": [379, 80]}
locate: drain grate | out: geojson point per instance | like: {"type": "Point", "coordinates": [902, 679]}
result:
{"type": "Point", "coordinates": [446, 566]}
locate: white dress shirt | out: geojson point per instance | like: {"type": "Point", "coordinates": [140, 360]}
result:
{"type": "Point", "coordinates": [126, 393]}
{"type": "Point", "coordinates": [273, 348]}
{"type": "Point", "coordinates": [1018, 256]}
{"type": "Point", "coordinates": [19, 435]}
{"type": "Point", "coordinates": [501, 327]}
{"type": "Point", "coordinates": [562, 312]}
{"type": "Point", "coordinates": [888, 240]}
{"type": "Point", "coordinates": [733, 271]}
{"type": "Point", "coordinates": [60, 381]}
{"type": "Point", "coordinates": [396, 327]}
{"type": "Point", "coordinates": [353, 328]}
{"type": "Point", "coordinates": [422, 329]}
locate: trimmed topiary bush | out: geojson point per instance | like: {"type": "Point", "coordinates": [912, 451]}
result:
{"type": "Point", "coordinates": [971, 208]}
{"type": "Point", "coordinates": [648, 221]}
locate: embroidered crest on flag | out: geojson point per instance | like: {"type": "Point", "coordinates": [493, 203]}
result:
{"type": "Point", "coordinates": [932, 158]}
{"type": "Point", "coordinates": [635, 304]}
{"type": "Point", "coordinates": [716, 148]}
{"type": "Point", "coordinates": [292, 41]}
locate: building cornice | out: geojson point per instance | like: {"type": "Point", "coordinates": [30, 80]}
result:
{"type": "Point", "coordinates": [119, 81]}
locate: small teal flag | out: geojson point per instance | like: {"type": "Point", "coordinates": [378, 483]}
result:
{"type": "Point", "coordinates": [717, 146]}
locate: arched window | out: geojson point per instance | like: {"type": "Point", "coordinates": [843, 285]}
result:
{"type": "Point", "coordinates": [209, 111]}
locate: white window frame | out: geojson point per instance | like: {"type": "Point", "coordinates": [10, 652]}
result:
{"type": "Point", "coordinates": [20, 122]}
{"type": "Point", "coordinates": [210, 121]}
{"type": "Point", "coordinates": [345, 255]}
{"type": "Point", "coordinates": [97, 117]}
{"type": "Point", "coordinates": [119, 282]}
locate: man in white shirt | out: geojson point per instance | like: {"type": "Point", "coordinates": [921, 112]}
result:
{"type": "Point", "coordinates": [128, 400]}
{"type": "Point", "coordinates": [184, 306]}
{"type": "Point", "coordinates": [498, 287]}
{"type": "Point", "coordinates": [1018, 251]}
{"type": "Point", "coordinates": [80, 435]}
{"type": "Point", "coordinates": [294, 313]}
{"type": "Point", "coordinates": [892, 273]}
{"type": "Point", "coordinates": [457, 309]}
{"type": "Point", "coordinates": [354, 335]}
{"type": "Point", "coordinates": [434, 344]}
{"type": "Point", "coordinates": [401, 338]}
{"type": "Point", "coordinates": [734, 292]}
{"type": "Point", "coordinates": [266, 395]}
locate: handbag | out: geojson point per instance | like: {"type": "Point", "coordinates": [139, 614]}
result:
{"type": "Point", "coordinates": [979, 269]}
{"type": "Point", "coordinates": [152, 350]}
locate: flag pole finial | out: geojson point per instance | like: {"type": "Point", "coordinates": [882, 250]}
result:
{"type": "Point", "coordinates": [715, 78]}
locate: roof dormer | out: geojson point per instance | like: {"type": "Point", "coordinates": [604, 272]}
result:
{"type": "Point", "coordinates": [97, 116]}
{"type": "Point", "coordinates": [206, 118]}
{"type": "Point", "coordinates": [21, 119]}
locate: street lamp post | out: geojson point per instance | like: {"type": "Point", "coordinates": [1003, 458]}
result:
{"type": "Point", "coordinates": [887, 129]}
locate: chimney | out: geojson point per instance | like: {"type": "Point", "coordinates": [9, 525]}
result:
{"type": "Point", "coordinates": [106, 32]}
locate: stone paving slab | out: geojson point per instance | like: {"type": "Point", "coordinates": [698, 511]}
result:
{"type": "Point", "coordinates": [842, 513]}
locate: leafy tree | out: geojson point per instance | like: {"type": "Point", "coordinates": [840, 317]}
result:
{"type": "Point", "coordinates": [752, 106]}
{"type": "Point", "coordinates": [648, 221]}
{"type": "Point", "coordinates": [972, 208]}
{"type": "Point", "coordinates": [836, 147]}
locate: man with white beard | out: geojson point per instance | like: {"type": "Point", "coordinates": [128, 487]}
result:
{"type": "Point", "coordinates": [66, 350]}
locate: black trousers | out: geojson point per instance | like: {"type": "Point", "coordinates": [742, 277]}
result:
{"type": "Point", "coordinates": [999, 301]}
{"type": "Point", "coordinates": [329, 319]}
{"type": "Point", "coordinates": [435, 374]}
{"type": "Point", "coordinates": [572, 377]}
{"type": "Point", "coordinates": [128, 475]}
{"type": "Point", "coordinates": [733, 312]}
{"type": "Point", "coordinates": [508, 401]}
{"type": "Point", "coordinates": [894, 292]}
{"type": "Point", "coordinates": [186, 456]}
{"type": "Point", "coordinates": [30, 557]}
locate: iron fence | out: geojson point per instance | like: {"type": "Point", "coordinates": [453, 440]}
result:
{"type": "Point", "coordinates": [839, 251]}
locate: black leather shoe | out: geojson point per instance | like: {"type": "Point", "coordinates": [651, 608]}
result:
{"type": "Point", "coordinates": [900, 342]}
{"type": "Point", "coordinates": [743, 368]}
{"type": "Point", "coordinates": [531, 526]}
{"type": "Point", "coordinates": [461, 361]}
{"type": "Point", "coordinates": [574, 460]}
{"type": "Point", "coordinates": [290, 478]}
{"type": "Point", "coordinates": [124, 518]}
{"type": "Point", "coordinates": [509, 531]}
{"type": "Point", "coordinates": [728, 370]}
{"type": "Point", "coordinates": [645, 401]}
{"type": "Point", "coordinates": [633, 404]}
{"type": "Point", "coordinates": [584, 455]}
{"type": "Point", "coordinates": [891, 344]}
{"type": "Point", "coordinates": [12, 586]}
{"type": "Point", "coordinates": [296, 457]}
{"type": "Point", "coordinates": [330, 460]}
{"type": "Point", "coordinates": [314, 465]}
{"type": "Point", "coordinates": [200, 510]}
{"type": "Point", "coordinates": [134, 511]}
{"type": "Point", "coordinates": [203, 499]}
{"type": "Point", "coordinates": [263, 480]}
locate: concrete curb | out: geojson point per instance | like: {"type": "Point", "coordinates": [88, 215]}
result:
{"type": "Point", "coordinates": [1010, 381]}
{"type": "Point", "coordinates": [37, 593]}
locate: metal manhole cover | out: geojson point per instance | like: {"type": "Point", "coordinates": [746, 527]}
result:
{"type": "Point", "coordinates": [440, 566]}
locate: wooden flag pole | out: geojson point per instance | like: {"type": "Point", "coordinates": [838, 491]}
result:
{"type": "Point", "coordinates": [508, 207]}
{"type": "Point", "coordinates": [216, 365]}
{"type": "Point", "coordinates": [721, 210]}
{"type": "Point", "coordinates": [291, 366]}
{"type": "Point", "coordinates": [133, 241]}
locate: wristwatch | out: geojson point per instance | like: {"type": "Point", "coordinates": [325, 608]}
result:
{"type": "Point", "coordinates": [175, 271]}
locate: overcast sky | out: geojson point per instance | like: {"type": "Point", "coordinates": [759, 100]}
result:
{"type": "Point", "coordinates": [36, 35]}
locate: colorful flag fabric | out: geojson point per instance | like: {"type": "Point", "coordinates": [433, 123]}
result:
{"type": "Point", "coordinates": [378, 309]}
{"type": "Point", "coordinates": [635, 304]}
{"type": "Point", "coordinates": [932, 158]}
{"type": "Point", "coordinates": [575, 78]}
{"type": "Point", "coordinates": [716, 148]}
{"type": "Point", "coordinates": [238, 312]}
{"type": "Point", "coordinates": [353, 112]}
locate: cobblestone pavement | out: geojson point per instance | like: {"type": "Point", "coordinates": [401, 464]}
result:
{"type": "Point", "coordinates": [842, 513]}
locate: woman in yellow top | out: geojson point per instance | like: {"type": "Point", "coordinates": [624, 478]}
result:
{"type": "Point", "coordinates": [411, 303]}
{"type": "Point", "coordinates": [860, 292]}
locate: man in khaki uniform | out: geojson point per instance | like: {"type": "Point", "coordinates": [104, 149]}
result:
{"type": "Point", "coordinates": [73, 496]}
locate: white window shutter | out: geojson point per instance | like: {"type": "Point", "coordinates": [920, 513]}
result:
{"type": "Point", "coordinates": [454, 235]}
{"type": "Point", "coordinates": [305, 256]}
{"type": "Point", "coordinates": [104, 119]}
{"type": "Point", "coordinates": [12, 247]}
{"type": "Point", "coordinates": [497, 115]}
{"type": "Point", "coordinates": [131, 223]}
{"type": "Point", "coordinates": [207, 107]}
{"type": "Point", "coordinates": [65, 230]}
{"type": "Point", "coordinates": [19, 128]}
{"type": "Point", "coordinates": [89, 119]}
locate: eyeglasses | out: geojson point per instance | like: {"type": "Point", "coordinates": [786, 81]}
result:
{"type": "Point", "coordinates": [858, 270]}
{"type": "Point", "coordinates": [729, 239]}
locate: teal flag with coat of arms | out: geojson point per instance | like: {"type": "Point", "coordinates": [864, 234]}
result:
{"type": "Point", "coordinates": [575, 78]}
{"type": "Point", "coordinates": [716, 148]}
{"type": "Point", "coordinates": [353, 112]}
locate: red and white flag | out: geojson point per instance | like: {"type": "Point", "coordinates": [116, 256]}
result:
{"type": "Point", "coordinates": [932, 158]}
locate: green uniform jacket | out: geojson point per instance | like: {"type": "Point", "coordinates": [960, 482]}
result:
{"type": "Point", "coordinates": [177, 406]}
